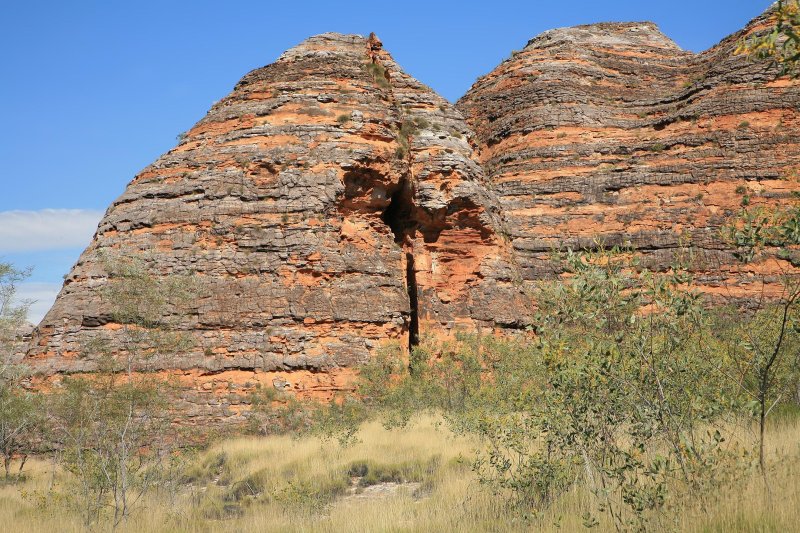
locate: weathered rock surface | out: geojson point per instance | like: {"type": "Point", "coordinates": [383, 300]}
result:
{"type": "Point", "coordinates": [613, 131]}
{"type": "Point", "coordinates": [328, 205]}
{"type": "Point", "coordinates": [331, 203]}
{"type": "Point", "coordinates": [18, 345]}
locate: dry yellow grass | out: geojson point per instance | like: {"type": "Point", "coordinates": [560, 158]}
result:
{"type": "Point", "coordinates": [283, 484]}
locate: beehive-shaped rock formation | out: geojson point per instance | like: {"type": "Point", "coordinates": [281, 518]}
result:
{"type": "Point", "coordinates": [612, 132]}
{"type": "Point", "coordinates": [328, 205]}
{"type": "Point", "coordinates": [331, 203]}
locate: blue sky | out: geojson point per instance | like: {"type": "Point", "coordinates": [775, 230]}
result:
{"type": "Point", "coordinates": [95, 91]}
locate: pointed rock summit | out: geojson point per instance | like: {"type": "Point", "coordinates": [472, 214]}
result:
{"type": "Point", "coordinates": [330, 204]}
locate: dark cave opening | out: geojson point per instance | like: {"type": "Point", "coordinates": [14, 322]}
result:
{"type": "Point", "coordinates": [399, 212]}
{"type": "Point", "coordinates": [399, 217]}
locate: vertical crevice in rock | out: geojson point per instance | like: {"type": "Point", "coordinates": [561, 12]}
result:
{"type": "Point", "coordinates": [413, 300]}
{"type": "Point", "coordinates": [399, 216]}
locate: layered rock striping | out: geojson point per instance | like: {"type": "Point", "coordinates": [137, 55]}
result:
{"type": "Point", "coordinates": [332, 204]}
{"type": "Point", "coordinates": [611, 132]}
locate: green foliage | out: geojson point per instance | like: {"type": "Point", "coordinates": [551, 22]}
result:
{"type": "Point", "coordinates": [277, 413]}
{"type": "Point", "coordinates": [749, 343]}
{"type": "Point", "coordinates": [20, 412]}
{"type": "Point", "coordinates": [620, 390]}
{"type": "Point", "coordinates": [21, 422]}
{"type": "Point", "coordinates": [764, 352]}
{"type": "Point", "coordinates": [344, 118]}
{"type": "Point", "coordinates": [148, 307]}
{"type": "Point", "coordinates": [624, 393]}
{"type": "Point", "coordinates": [139, 297]}
{"type": "Point", "coordinates": [114, 436]}
{"type": "Point", "coordinates": [440, 377]}
{"type": "Point", "coordinates": [756, 229]}
{"type": "Point", "coordinates": [113, 430]}
{"type": "Point", "coordinates": [408, 129]}
{"type": "Point", "coordinates": [12, 311]}
{"type": "Point", "coordinates": [781, 45]}
{"type": "Point", "coordinates": [378, 74]}
{"type": "Point", "coordinates": [340, 419]}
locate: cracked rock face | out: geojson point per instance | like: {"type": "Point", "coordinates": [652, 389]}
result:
{"type": "Point", "coordinates": [330, 204]}
{"type": "Point", "coordinates": [613, 131]}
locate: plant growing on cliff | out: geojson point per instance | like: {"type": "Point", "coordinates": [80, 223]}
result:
{"type": "Point", "coordinates": [146, 307]}
{"type": "Point", "coordinates": [781, 45]}
{"type": "Point", "coordinates": [378, 74]}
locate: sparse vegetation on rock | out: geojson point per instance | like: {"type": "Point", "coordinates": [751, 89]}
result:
{"type": "Point", "coordinates": [417, 332]}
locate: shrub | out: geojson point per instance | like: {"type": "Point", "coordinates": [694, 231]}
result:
{"type": "Point", "coordinates": [371, 473]}
{"type": "Point", "coordinates": [113, 431]}
{"type": "Point", "coordinates": [114, 436]}
{"type": "Point", "coordinates": [21, 413]}
{"type": "Point", "coordinates": [409, 128]}
{"type": "Point", "coordinates": [603, 396]}
{"type": "Point", "coordinates": [312, 496]}
{"type": "Point", "coordinates": [378, 74]}
{"type": "Point", "coordinates": [277, 413]}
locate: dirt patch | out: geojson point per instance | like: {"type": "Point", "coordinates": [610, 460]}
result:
{"type": "Point", "coordinates": [380, 490]}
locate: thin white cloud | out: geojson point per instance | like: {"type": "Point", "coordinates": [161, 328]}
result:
{"type": "Point", "coordinates": [47, 229]}
{"type": "Point", "coordinates": [42, 295]}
